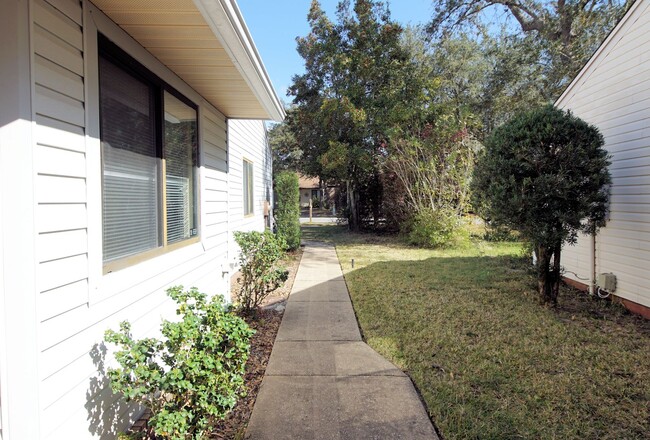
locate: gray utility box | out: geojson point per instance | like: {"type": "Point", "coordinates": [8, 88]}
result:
{"type": "Point", "coordinates": [607, 281]}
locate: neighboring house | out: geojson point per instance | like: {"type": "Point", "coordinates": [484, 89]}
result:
{"type": "Point", "coordinates": [612, 92]}
{"type": "Point", "coordinates": [309, 190]}
{"type": "Point", "coordinates": [131, 147]}
{"type": "Point", "coordinates": [325, 196]}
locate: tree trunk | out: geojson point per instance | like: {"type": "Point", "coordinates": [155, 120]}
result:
{"type": "Point", "coordinates": [548, 278]}
{"type": "Point", "coordinates": [353, 212]}
{"type": "Point", "coordinates": [556, 276]}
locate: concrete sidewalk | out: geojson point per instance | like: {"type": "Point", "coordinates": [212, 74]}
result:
{"type": "Point", "coordinates": [323, 381]}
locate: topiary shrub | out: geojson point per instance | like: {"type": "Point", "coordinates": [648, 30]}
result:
{"type": "Point", "coordinates": [544, 173]}
{"type": "Point", "coordinates": [436, 229]}
{"type": "Point", "coordinates": [260, 273]}
{"type": "Point", "coordinates": [287, 211]}
{"type": "Point", "coordinates": [191, 377]}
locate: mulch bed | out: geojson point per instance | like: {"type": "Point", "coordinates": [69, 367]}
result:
{"type": "Point", "coordinates": [266, 325]}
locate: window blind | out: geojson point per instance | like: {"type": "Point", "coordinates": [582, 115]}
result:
{"type": "Point", "coordinates": [180, 151]}
{"type": "Point", "coordinates": [130, 163]}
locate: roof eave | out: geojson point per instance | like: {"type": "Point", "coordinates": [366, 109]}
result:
{"type": "Point", "coordinates": [227, 24]}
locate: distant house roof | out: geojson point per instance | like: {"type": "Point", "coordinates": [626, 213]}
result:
{"type": "Point", "coordinates": [307, 182]}
{"type": "Point", "coordinates": [207, 44]}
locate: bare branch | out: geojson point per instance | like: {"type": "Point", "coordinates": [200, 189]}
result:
{"type": "Point", "coordinates": [533, 23]}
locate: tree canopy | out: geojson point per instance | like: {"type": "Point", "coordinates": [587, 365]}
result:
{"type": "Point", "coordinates": [562, 34]}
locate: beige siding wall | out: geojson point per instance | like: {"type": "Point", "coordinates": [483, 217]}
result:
{"type": "Point", "coordinates": [247, 140]}
{"type": "Point", "coordinates": [77, 302]}
{"type": "Point", "coordinates": [614, 95]}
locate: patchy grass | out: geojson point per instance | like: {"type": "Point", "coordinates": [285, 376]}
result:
{"type": "Point", "coordinates": [489, 361]}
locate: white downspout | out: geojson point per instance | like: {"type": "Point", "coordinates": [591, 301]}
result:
{"type": "Point", "coordinates": [592, 289]}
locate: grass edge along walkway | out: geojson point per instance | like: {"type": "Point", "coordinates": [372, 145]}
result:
{"type": "Point", "coordinates": [489, 361]}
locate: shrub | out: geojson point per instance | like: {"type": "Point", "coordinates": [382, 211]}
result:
{"type": "Point", "coordinates": [191, 377]}
{"type": "Point", "coordinates": [499, 233]}
{"type": "Point", "coordinates": [544, 174]}
{"type": "Point", "coordinates": [260, 274]}
{"type": "Point", "coordinates": [287, 211]}
{"type": "Point", "coordinates": [436, 229]}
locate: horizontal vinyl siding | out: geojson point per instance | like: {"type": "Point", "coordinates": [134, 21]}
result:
{"type": "Point", "coordinates": [247, 140]}
{"type": "Point", "coordinates": [59, 156]}
{"type": "Point", "coordinates": [74, 397]}
{"type": "Point", "coordinates": [615, 96]}
{"type": "Point", "coordinates": [215, 197]}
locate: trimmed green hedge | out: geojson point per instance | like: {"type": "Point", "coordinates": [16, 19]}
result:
{"type": "Point", "coordinates": [287, 211]}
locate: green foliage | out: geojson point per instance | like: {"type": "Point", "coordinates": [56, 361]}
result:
{"type": "Point", "coordinates": [500, 233]}
{"type": "Point", "coordinates": [260, 274]}
{"type": "Point", "coordinates": [545, 175]}
{"type": "Point", "coordinates": [190, 377]}
{"type": "Point", "coordinates": [287, 154]}
{"type": "Point", "coordinates": [437, 229]}
{"type": "Point", "coordinates": [359, 84]}
{"type": "Point", "coordinates": [287, 211]}
{"type": "Point", "coordinates": [557, 38]}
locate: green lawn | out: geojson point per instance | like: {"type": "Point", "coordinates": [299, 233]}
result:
{"type": "Point", "coordinates": [489, 361]}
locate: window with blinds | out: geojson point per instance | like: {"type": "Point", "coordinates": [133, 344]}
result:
{"type": "Point", "coordinates": [149, 159]}
{"type": "Point", "coordinates": [248, 187]}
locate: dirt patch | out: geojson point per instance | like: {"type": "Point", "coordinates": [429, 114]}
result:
{"type": "Point", "coordinates": [594, 313]}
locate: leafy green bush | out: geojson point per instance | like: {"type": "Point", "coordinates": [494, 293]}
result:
{"type": "Point", "coordinates": [260, 274]}
{"type": "Point", "coordinates": [194, 375]}
{"type": "Point", "coordinates": [500, 233]}
{"type": "Point", "coordinates": [436, 229]}
{"type": "Point", "coordinates": [287, 211]}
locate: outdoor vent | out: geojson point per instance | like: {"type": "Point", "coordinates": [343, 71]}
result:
{"type": "Point", "coordinates": [607, 282]}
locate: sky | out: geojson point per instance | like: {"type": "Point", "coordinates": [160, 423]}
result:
{"type": "Point", "coordinates": [275, 24]}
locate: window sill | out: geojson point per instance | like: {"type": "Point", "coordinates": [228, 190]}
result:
{"type": "Point", "coordinates": [132, 260]}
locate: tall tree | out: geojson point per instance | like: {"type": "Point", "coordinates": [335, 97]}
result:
{"type": "Point", "coordinates": [563, 33]}
{"type": "Point", "coordinates": [353, 92]}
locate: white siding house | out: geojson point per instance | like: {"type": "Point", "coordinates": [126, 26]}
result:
{"type": "Point", "coordinates": [612, 92]}
{"type": "Point", "coordinates": [123, 127]}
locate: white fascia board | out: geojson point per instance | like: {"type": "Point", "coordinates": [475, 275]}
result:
{"type": "Point", "coordinates": [602, 50]}
{"type": "Point", "coordinates": [227, 23]}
